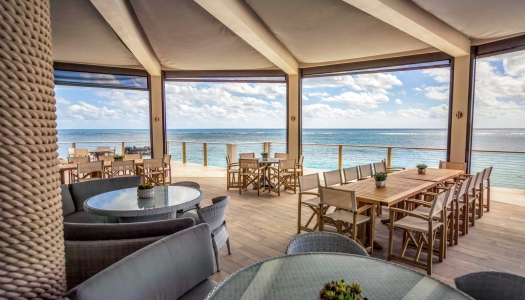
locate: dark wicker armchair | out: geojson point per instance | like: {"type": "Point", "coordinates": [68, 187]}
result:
{"type": "Point", "coordinates": [324, 242]}
{"type": "Point", "coordinates": [90, 248]}
{"type": "Point", "coordinates": [492, 285]}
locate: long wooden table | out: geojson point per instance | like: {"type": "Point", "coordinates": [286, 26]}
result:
{"type": "Point", "coordinates": [73, 166]}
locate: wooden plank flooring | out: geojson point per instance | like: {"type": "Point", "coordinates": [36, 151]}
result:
{"type": "Point", "coordinates": [262, 226]}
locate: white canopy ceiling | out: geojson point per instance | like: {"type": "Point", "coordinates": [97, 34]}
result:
{"type": "Point", "coordinates": [187, 36]}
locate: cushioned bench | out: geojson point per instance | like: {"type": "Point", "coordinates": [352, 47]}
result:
{"type": "Point", "coordinates": [175, 267]}
{"type": "Point", "coordinates": [74, 195]}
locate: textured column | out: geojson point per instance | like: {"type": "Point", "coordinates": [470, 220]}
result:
{"type": "Point", "coordinates": [31, 236]}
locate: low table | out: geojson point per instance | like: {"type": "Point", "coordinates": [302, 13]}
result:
{"type": "Point", "coordinates": [125, 204]}
{"type": "Point", "coordinates": [302, 276]}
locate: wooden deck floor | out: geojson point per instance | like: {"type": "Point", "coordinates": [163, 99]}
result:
{"type": "Point", "coordinates": [262, 226]}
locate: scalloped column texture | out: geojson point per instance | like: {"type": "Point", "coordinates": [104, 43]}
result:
{"type": "Point", "coordinates": [32, 264]}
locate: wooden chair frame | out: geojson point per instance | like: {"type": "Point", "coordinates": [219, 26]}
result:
{"type": "Point", "coordinates": [153, 171]}
{"type": "Point", "coordinates": [285, 173]}
{"type": "Point", "coordinates": [88, 170]}
{"type": "Point", "coordinates": [313, 205]}
{"type": "Point", "coordinates": [167, 168]}
{"type": "Point", "coordinates": [122, 168]}
{"type": "Point", "coordinates": [232, 174]}
{"type": "Point", "coordinates": [250, 173]}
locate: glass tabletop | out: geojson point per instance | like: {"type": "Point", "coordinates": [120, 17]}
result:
{"type": "Point", "coordinates": [167, 198]}
{"type": "Point", "coordinates": [302, 276]}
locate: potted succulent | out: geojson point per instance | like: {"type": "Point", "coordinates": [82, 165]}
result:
{"type": "Point", "coordinates": [145, 190]}
{"type": "Point", "coordinates": [118, 157]}
{"type": "Point", "coordinates": [421, 168]}
{"type": "Point", "coordinates": [339, 290]}
{"type": "Point", "coordinates": [380, 178]}
{"type": "Point", "coordinates": [264, 155]}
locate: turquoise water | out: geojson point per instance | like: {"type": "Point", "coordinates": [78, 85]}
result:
{"type": "Point", "coordinates": [506, 171]}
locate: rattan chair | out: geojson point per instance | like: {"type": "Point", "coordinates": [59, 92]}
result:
{"type": "Point", "coordinates": [332, 178]}
{"type": "Point", "coordinates": [365, 171]}
{"type": "Point", "coordinates": [307, 185]}
{"type": "Point", "coordinates": [285, 173]}
{"type": "Point", "coordinates": [132, 156]}
{"type": "Point", "coordinates": [351, 175]}
{"type": "Point", "coordinates": [251, 173]}
{"type": "Point", "coordinates": [190, 184]}
{"type": "Point", "coordinates": [324, 242]}
{"type": "Point", "coordinates": [153, 171]}
{"type": "Point", "coordinates": [348, 214]}
{"type": "Point", "coordinates": [89, 171]}
{"type": "Point", "coordinates": [246, 155]}
{"type": "Point", "coordinates": [282, 155]}
{"type": "Point", "coordinates": [421, 230]}
{"type": "Point", "coordinates": [167, 169]}
{"type": "Point", "coordinates": [232, 174]}
{"type": "Point", "coordinates": [122, 168]}
{"type": "Point", "coordinates": [492, 285]}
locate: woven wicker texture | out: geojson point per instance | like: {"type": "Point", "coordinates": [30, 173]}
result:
{"type": "Point", "coordinates": [324, 242]}
{"type": "Point", "coordinates": [32, 262]}
{"type": "Point", "coordinates": [190, 184]}
{"type": "Point", "coordinates": [492, 285]}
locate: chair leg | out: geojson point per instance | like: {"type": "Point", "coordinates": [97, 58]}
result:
{"type": "Point", "coordinates": [299, 216]}
{"type": "Point", "coordinates": [228, 245]}
{"type": "Point", "coordinates": [216, 252]}
{"type": "Point", "coordinates": [391, 236]}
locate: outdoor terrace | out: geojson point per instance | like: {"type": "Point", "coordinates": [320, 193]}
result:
{"type": "Point", "coordinates": [262, 226]}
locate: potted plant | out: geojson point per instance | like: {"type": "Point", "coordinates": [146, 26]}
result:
{"type": "Point", "coordinates": [339, 290]}
{"type": "Point", "coordinates": [118, 157]}
{"type": "Point", "coordinates": [264, 155]}
{"type": "Point", "coordinates": [421, 168]}
{"type": "Point", "coordinates": [380, 178]}
{"type": "Point", "coordinates": [145, 190]}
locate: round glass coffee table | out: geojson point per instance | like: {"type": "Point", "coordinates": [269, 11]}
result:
{"type": "Point", "coordinates": [302, 276]}
{"type": "Point", "coordinates": [125, 204]}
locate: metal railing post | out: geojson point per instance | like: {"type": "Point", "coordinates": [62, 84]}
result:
{"type": "Point", "coordinates": [184, 152]}
{"type": "Point", "coordinates": [123, 148]}
{"type": "Point", "coordinates": [340, 157]}
{"type": "Point", "coordinates": [389, 158]}
{"type": "Point", "coordinates": [205, 152]}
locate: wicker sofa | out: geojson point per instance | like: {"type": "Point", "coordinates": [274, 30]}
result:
{"type": "Point", "coordinates": [74, 195]}
{"type": "Point", "coordinates": [175, 267]}
{"type": "Point", "coordinates": [90, 248]}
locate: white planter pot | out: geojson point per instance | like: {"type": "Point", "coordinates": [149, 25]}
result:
{"type": "Point", "coordinates": [421, 171]}
{"type": "Point", "coordinates": [265, 158]}
{"type": "Point", "coordinates": [380, 184]}
{"type": "Point", "coordinates": [147, 193]}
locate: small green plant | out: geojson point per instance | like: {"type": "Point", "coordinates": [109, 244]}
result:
{"type": "Point", "coordinates": [145, 186]}
{"type": "Point", "coordinates": [380, 176]}
{"type": "Point", "coordinates": [421, 166]}
{"type": "Point", "coordinates": [118, 156]}
{"type": "Point", "coordinates": [339, 290]}
{"type": "Point", "coordinates": [264, 154]}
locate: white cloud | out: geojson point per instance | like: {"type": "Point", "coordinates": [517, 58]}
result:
{"type": "Point", "coordinates": [398, 101]}
{"type": "Point", "coordinates": [62, 101]}
{"type": "Point", "coordinates": [304, 97]}
{"type": "Point", "coordinates": [402, 93]}
{"type": "Point", "coordinates": [437, 92]}
{"type": "Point", "coordinates": [439, 75]}
{"type": "Point", "coordinates": [318, 94]}
{"type": "Point", "coordinates": [417, 89]}
{"type": "Point", "coordinates": [362, 100]}
{"type": "Point", "coordinates": [433, 113]}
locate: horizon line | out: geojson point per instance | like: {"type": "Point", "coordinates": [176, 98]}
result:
{"type": "Point", "coordinates": [279, 128]}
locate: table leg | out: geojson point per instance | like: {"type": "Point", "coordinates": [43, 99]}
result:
{"type": "Point", "coordinates": [62, 176]}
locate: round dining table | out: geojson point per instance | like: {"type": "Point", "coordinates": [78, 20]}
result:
{"type": "Point", "coordinates": [302, 276]}
{"type": "Point", "coordinates": [128, 208]}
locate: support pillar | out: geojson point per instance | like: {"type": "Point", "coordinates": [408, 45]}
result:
{"type": "Point", "coordinates": [293, 123]}
{"type": "Point", "coordinates": [157, 117]}
{"type": "Point", "coordinates": [460, 100]}
{"type": "Point", "coordinates": [32, 263]}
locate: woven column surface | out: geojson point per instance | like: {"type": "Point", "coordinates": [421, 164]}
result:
{"type": "Point", "coordinates": [32, 264]}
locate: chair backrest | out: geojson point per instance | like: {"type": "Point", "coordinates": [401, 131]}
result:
{"type": "Point", "coordinates": [438, 204]}
{"type": "Point", "coordinates": [301, 161]}
{"type": "Point", "coordinates": [282, 155]}
{"type": "Point", "coordinates": [486, 173]}
{"type": "Point", "coordinates": [177, 263]}
{"type": "Point", "coordinates": [78, 159]}
{"type": "Point", "coordinates": [250, 163]}
{"type": "Point", "coordinates": [287, 164]}
{"type": "Point", "coordinates": [90, 167]}
{"type": "Point", "coordinates": [365, 171]}
{"type": "Point", "coordinates": [380, 167]}
{"type": "Point", "coordinates": [228, 162]}
{"type": "Point", "coordinates": [473, 181]}
{"type": "Point", "coordinates": [132, 156]}
{"type": "Point", "coordinates": [492, 285]}
{"type": "Point", "coordinates": [338, 198]}
{"type": "Point", "coordinates": [125, 166]}
{"type": "Point", "coordinates": [153, 163]}
{"type": "Point", "coordinates": [81, 152]}
{"type": "Point", "coordinates": [324, 242]}
{"type": "Point", "coordinates": [190, 184]}
{"type": "Point", "coordinates": [351, 174]}
{"type": "Point", "coordinates": [103, 148]}
{"type": "Point", "coordinates": [70, 152]}
{"type": "Point", "coordinates": [68, 206]}
{"type": "Point", "coordinates": [106, 158]}
{"type": "Point", "coordinates": [452, 165]}
{"type": "Point", "coordinates": [308, 182]}
{"type": "Point", "coordinates": [167, 160]}
{"type": "Point", "coordinates": [81, 191]}
{"type": "Point", "coordinates": [246, 155]}
{"type": "Point", "coordinates": [332, 177]}
{"type": "Point", "coordinates": [463, 188]}
{"type": "Point", "coordinates": [213, 215]}
{"type": "Point", "coordinates": [451, 195]}
{"type": "Point", "coordinates": [480, 177]}
{"type": "Point", "coordinates": [90, 248]}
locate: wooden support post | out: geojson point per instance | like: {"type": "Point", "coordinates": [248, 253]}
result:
{"type": "Point", "coordinates": [123, 148]}
{"type": "Point", "coordinates": [74, 145]}
{"type": "Point", "coordinates": [389, 158]}
{"type": "Point", "coordinates": [205, 152]}
{"type": "Point", "coordinates": [184, 152]}
{"type": "Point", "coordinates": [340, 157]}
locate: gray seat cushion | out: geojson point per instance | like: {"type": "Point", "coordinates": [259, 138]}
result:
{"type": "Point", "coordinates": [68, 207]}
{"type": "Point", "coordinates": [200, 291]}
{"type": "Point", "coordinates": [84, 217]}
{"type": "Point", "coordinates": [192, 214]}
{"type": "Point", "coordinates": [81, 191]}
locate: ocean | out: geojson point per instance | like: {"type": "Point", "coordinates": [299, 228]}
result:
{"type": "Point", "coordinates": [506, 172]}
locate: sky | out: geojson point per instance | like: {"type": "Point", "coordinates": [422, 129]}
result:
{"type": "Point", "coordinates": [404, 99]}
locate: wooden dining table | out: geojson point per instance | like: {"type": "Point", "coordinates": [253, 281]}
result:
{"type": "Point", "coordinates": [73, 166]}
